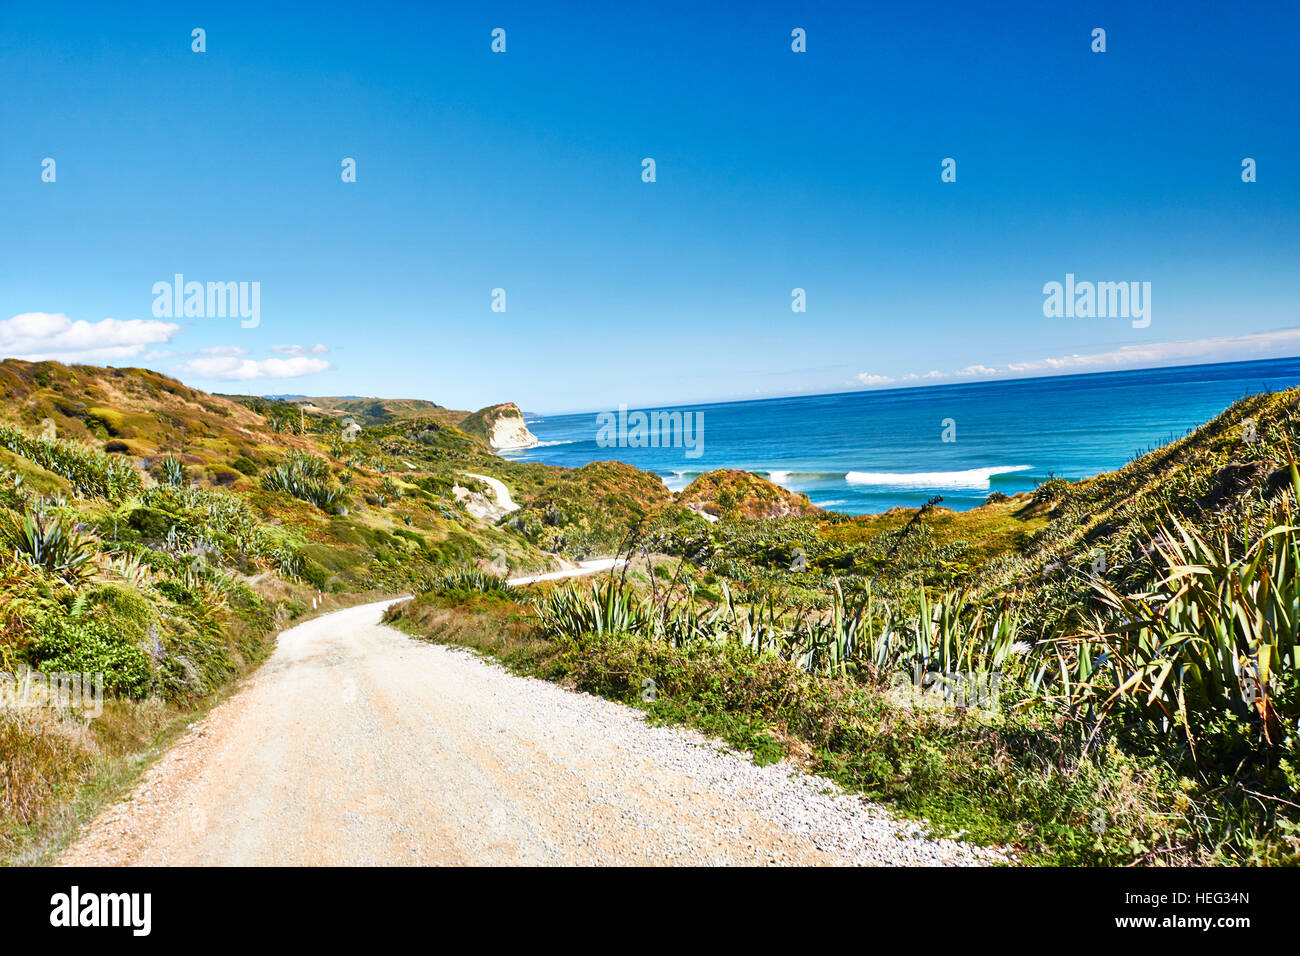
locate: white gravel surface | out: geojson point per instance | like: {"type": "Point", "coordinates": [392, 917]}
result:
{"type": "Point", "coordinates": [583, 568]}
{"type": "Point", "coordinates": [355, 744]}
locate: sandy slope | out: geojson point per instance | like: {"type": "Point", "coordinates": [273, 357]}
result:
{"type": "Point", "coordinates": [355, 744]}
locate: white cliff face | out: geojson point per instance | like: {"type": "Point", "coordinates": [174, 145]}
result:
{"type": "Point", "coordinates": [511, 433]}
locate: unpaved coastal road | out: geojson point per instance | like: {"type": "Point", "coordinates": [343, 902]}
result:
{"type": "Point", "coordinates": [355, 744]}
{"type": "Point", "coordinates": [584, 568]}
{"type": "Point", "coordinates": [499, 489]}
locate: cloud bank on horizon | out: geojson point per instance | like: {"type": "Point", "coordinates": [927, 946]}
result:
{"type": "Point", "coordinates": [1279, 343]}
{"type": "Point", "coordinates": [53, 336]}
{"type": "Point", "coordinates": [42, 336]}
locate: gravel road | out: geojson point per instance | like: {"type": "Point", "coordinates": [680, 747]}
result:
{"type": "Point", "coordinates": [356, 745]}
{"type": "Point", "coordinates": [583, 569]}
{"type": "Point", "coordinates": [499, 489]}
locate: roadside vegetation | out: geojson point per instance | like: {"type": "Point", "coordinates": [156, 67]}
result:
{"type": "Point", "coordinates": [153, 540]}
{"type": "Point", "coordinates": [1097, 672]}
{"type": "Point", "coordinates": [1106, 675]}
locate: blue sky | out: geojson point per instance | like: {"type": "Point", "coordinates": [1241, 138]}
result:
{"type": "Point", "coordinates": [522, 171]}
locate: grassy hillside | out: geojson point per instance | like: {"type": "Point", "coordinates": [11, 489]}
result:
{"type": "Point", "coordinates": [381, 411]}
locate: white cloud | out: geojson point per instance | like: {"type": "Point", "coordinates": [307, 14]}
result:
{"type": "Point", "coordinates": [866, 378]}
{"type": "Point", "coordinates": [223, 351]}
{"type": "Point", "coordinates": [37, 336]}
{"type": "Point", "coordinates": [232, 368]}
{"type": "Point", "coordinates": [316, 349]}
{"type": "Point", "coordinates": [1224, 348]}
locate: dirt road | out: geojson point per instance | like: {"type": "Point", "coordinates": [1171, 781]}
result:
{"type": "Point", "coordinates": [583, 569]}
{"type": "Point", "coordinates": [499, 489]}
{"type": "Point", "coordinates": [357, 745]}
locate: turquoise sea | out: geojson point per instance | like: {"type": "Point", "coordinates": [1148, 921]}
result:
{"type": "Point", "coordinates": [866, 451]}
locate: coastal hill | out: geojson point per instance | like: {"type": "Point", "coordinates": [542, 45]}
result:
{"type": "Point", "coordinates": [501, 426]}
{"type": "Point", "coordinates": [379, 411]}
{"type": "Point", "coordinates": [346, 515]}
{"type": "Point", "coordinates": [745, 494]}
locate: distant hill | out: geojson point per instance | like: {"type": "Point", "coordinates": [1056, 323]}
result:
{"type": "Point", "coordinates": [376, 411]}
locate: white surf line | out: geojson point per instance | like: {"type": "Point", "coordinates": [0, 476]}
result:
{"type": "Point", "coordinates": [498, 488]}
{"type": "Point", "coordinates": [583, 568]}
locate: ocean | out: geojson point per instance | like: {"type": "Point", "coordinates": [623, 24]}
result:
{"type": "Point", "coordinates": [867, 451]}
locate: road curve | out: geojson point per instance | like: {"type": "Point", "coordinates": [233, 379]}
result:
{"type": "Point", "coordinates": [357, 745]}
{"type": "Point", "coordinates": [499, 489]}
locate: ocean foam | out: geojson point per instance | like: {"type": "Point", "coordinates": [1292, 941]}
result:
{"type": "Point", "coordinates": [977, 478]}
{"type": "Point", "coordinates": [679, 479]}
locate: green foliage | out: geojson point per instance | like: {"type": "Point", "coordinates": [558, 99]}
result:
{"type": "Point", "coordinates": [100, 635]}
{"type": "Point", "coordinates": [1217, 638]}
{"type": "Point", "coordinates": [1051, 491]}
{"type": "Point", "coordinates": [306, 477]}
{"type": "Point", "coordinates": [48, 540]}
{"type": "Point", "coordinates": [245, 466]}
{"type": "Point", "coordinates": [91, 473]}
{"type": "Point", "coordinates": [172, 472]}
{"type": "Point", "coordinates": [463, 581]}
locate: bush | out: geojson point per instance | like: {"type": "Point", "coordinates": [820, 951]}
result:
{"type": "Point", "coordinates": [47, 540]}
{"type": "Point", "coordinates": [469, 580]}
{"type": "Point", "coordinates": [99, 634]}
{"type": "Point", "coordinates": [1052, 490]}
{"type": "Point", "coordinates": [172, 472]}
{"type": "Point", "coordinates": [305, 477]}
{"type": "Point", "coordinates": [91, 473]}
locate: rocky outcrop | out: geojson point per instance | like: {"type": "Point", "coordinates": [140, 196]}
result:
{"type": "Point", "coordinates": [501, 426]}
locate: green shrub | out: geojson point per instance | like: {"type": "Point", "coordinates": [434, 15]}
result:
{"type": "Point", "coordinates": [100, 634]}
{"type": "Point", "coordinates": [92, 473]}
{"type": "Point", "coordinates": [47, 540]}
{"type": "Point", "coordinates": [305, 477]}
{"type": "Point", "coordinates": [172, 472]}
{"type": "Point", "coordinates": [1052, 490]}
{"type": "Point", "coordinates": [469, 581]}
